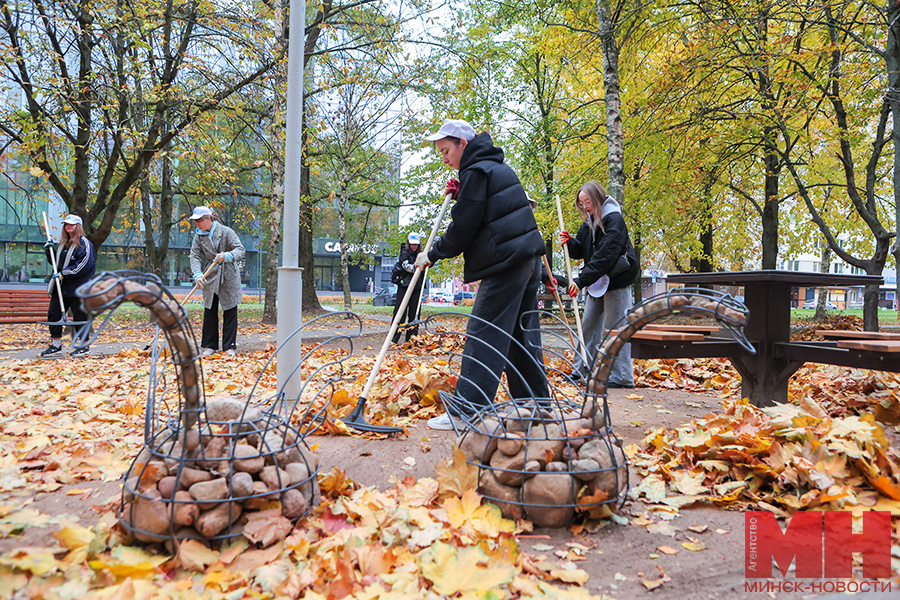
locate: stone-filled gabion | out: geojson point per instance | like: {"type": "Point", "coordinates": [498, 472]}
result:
{"type": "Point", "coordinates": [539, 460]}
{"type": "Point", "coordinates": [205, 464]}
{"type": "Point", "coordinates": [548, 459]}
{"type": "Point", "coordinates": [197, 483]}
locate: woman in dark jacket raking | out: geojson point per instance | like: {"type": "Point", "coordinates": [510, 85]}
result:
{"type": "Point", "coordinates": [601, 242]}
{"type": "Point", "coordinates": [75, 263]}
{"type": "Point", "coordinates": [495, 231]}
{"type": "Point", "coordinates": [407, 259]}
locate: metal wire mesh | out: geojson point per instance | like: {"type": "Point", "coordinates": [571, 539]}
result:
{"type": "Point", "coordinates": [208, 461]}
{"type": "Point", "coordinates": [552, 459]}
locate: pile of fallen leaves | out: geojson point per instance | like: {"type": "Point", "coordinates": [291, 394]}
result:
{"type": "Point", "coordinates": [806, 329]}
{"type": "Point", "coordinates": [689, 374]}
{"type": "Point", "coordinates": [840, 391]}
{"type": "Point", "coordinates": [780, 458]}
{"type": "Point", "coordinates": [419, 540]}
{"type": "Point", "coordinates": [843, 391]}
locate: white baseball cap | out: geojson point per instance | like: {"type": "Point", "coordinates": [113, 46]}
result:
{"type": "Point", "coordinates": [453, 128]}
{"type": "Point", "coordinates": [73, 220]}
{"type": "Point", "coordinates": [414, 238]}
{"type": "Point", "coordinates": [200, 212]}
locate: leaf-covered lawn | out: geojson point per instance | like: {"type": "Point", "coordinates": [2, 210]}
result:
{"type": "Point", "coordinates": [67, 421]}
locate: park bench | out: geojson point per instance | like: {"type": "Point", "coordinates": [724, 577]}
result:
{"type": "Point", "coordinates": [701, 329]}
{"type": "Point", "coordinates": [657, 335]}
{"type": "Point", "coordinates": [890, 346]}
{"type": "Point", "coordinates": [839, 334]}
{"type": "Point", "coordinates": [24, 306]}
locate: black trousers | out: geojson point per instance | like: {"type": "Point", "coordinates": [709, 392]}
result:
{"type": "Point", "coordinates": [504, 338]}
{"type": "Point", "coordinates": [210, 337]}
{"type": "Point", "coordinates": [410, 309]}
{"type": "Point", "coordinates": [55, 312]}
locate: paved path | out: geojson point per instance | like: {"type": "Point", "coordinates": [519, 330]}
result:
{"type": "Point", "coordinates": [373, 325]}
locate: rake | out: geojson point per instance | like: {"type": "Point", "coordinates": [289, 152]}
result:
{"type": "Point", "coordinates": [357, 419]}
{"type": "Point", "coordinates": [191, 293]}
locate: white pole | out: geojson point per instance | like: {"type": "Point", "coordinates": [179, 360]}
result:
{"type": "Point", "coordinates": [562, 227]}
{"type": "Point", "coordinates": [290, 282]}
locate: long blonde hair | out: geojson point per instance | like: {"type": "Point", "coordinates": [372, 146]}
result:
{"type": "Point", "coordinates": [66, 240]}
{"type": "Point", "coordinates": [597, 195]}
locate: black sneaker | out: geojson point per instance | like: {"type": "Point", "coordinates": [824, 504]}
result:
{"type": "Point", "coordinates": [612, 385]}
{"type": "Point", "coordinates": [79, 351]}
{"type": "Point", "coordinates": [51, 351]}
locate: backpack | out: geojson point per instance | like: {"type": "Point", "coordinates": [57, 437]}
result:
{"type": "Point", "coordinates": [397, 274]}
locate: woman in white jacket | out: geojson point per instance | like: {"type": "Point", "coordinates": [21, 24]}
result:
{"type": "Point", "coordinates": [609, 271]}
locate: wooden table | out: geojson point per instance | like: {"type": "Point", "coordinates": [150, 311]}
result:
{"type": "Point", "coordinates": [767, 295]}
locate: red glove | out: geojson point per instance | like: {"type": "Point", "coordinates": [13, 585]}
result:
{"type": "Point", "coordinates": [452, 188]}
{"type": "Point", "coordinates": [573, 290]}
{"type": "Point", "coordinates": [564, 237]}
{"type": "Point", "coordinates": [551, 285]}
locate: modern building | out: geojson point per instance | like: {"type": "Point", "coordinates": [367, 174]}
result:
{"type": "Point", "coordinates": [842, 297]}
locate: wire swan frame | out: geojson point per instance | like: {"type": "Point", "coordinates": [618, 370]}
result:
{"type": "Point", "coordinates": [555, 458]}
{"type": "Point", "coordinates": [206, 461]}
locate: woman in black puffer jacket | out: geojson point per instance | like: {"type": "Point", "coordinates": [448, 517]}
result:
{"type": "Point", "coordinates": [610, 269]}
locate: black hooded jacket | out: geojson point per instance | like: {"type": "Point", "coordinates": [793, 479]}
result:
{"type": "Point", "coordinates": [493, 226]}
{"type": "Point", "coordinates": [601, 251]}
{"type": "Point", "coordinates": [407, 260]}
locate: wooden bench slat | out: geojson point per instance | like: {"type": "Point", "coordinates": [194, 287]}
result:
{"type": "Point", "coordinates": [682, 328]}
{"type": "Point", "coordinates": [666, 336]}
{"type": "Point", "coordinates": [870, 345]}
{"type": "Point", "coordinates": [857, 335]}
{"type": "Point", "coordinates": [23, 306]}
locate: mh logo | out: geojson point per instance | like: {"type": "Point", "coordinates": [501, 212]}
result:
{"type": "Point", "coordinates": [811, 538]}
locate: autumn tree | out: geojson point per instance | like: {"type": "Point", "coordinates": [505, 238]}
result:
{"type": "Point", "coordinates": [357, 156]}
{"type": "Point", "coordinates": [852, 133]}
{"type": "Point", "coordinates": [74, 65]}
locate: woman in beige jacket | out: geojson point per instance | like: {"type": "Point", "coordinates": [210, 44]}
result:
{"type": "Point", "coordinates": [219, 244]}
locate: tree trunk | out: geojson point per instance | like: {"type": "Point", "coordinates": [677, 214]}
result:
{"type": "Point", "coordinates": [345, 249]}
{"type": "Point", "coordinates": [636, 241]}
{"type": "Point", "coordinates": [306, 261]}
{"type": "Point", "coordinates": [770, 210]}
{"type": "Point", "coordinates": [276, 200]}
{"type": "Point", "coordinates": [703, 262]}
{"type": "Point", "coordinates": [822, 295]}
{"type": "Point", "coordinates": [892, 62]}
{"type": "Point", "coordinates": [612, 94]}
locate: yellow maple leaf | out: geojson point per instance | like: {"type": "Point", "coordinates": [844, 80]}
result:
{"type": "Point", "coordinates": [72, 535]}
{"type": "Point", "coordinates": [127, 561]}
{"type": "Point", "coordinates": [39, 561]}
{"type": "Point", "coordinates": [462, 570]}
{"type": "Point", "coordinates": [468, 514]}
{"type": "Point", "coordinates": [694, 546]}
{"type": "Point", "coordinates": [578, 576]}
{"type": "Point", "coordinates": [195, 556]}
{"type": "Point", "coordinates": [455, 475]}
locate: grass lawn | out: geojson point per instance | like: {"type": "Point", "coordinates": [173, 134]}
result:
{"type": "Point", "coordinates": [252, 311]}
{"type": "Point", "coordinates": [885, 317]}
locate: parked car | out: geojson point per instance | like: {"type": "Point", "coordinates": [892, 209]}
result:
{"type": "Point", "coordinates": [460, 296]}
{"type": "Point", "coordinates": [440, 298]}
{"type": "Point", "coordinates": [385, 297]}
{"type": "Point", "coordinates": [811, 305]}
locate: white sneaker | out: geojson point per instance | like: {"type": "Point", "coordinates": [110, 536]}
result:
{"type": "Point", "coordinates": [446, 422]}
{"type": "Point", "coordinates": [231, 353]}
{"type": "Point", "coordinates": [208, 352]}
